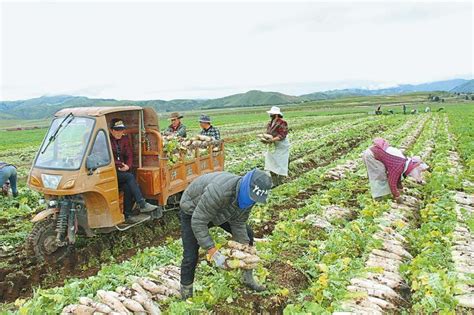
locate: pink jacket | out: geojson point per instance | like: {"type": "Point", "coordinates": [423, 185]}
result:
{"type": "Point", "coordinates": [394, 166]}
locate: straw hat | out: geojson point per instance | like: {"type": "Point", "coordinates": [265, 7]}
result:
{"type": "Point", "coordinates": [175, 115]}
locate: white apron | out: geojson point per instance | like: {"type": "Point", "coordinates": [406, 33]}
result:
{"type": "Point", "coordinates": [377, 175]}
{"type": "Point", "coordinates": [277, 156]}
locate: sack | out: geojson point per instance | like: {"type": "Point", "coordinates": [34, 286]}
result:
{"type": "Point", "coordinates": [377, 175]}
{"type": "Point", "coordinates": [276, 160]}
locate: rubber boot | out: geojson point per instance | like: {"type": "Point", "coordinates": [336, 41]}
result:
{"type": "Point", "coordinates": [186, 291]}
{"type": "Point", "coordinates": [275, 180]}
{"type": "Point", "coordinates": [250, 282]}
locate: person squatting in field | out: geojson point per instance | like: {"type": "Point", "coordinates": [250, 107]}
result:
{"type": "Point", "coordinates": [387, 166]}
{"type": "Point", "coordinates": [8, 178]}
{"type": "Point", "coordinates": [219, 199]}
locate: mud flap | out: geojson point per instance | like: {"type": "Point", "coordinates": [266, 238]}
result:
{"type": "Point", "coordinates": [44, 214]}
{"type": "Point", "coordinates": [82, 222]}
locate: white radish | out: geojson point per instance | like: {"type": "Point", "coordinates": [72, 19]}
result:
{"type": "Point", "coordinates": [385, 254]}
{"type": "Point", "coordinates": [252, 260]}
{"type": "Point", "coordinates": [140, 290]}
{"type": "Point", "coordinates": [148, 285]}
{"type": "Point", "coordinates": [151, 308]}
{"type": "Point", "coordinates": [100, 307]}
{"type": "Point", "coordinates": [245, 248]}
{"type": "Point", "coordinates": [238, 254]}
{"type": "Point", "coordinates": [132, 305]}
{"type": "Point", "coordinates": [151, 286]}
{"type": "Point", "coordinates": [389, 292]}
{"type": "Point", "coordinates": [382, 303]}
{"type": "Point", "coordinates": [78, 309]}
{"type": "Point", "coordinates": [204, 138]}
{"type": "Point", "coordinates": [384, 260]}
{"type": "Point", "coordinates": [386, 280]}
{"type": "Point", "coordinates": [147, 304]}
{"type": "Point", "coordinates": [464, 268]}
{"type": "Point", "coordinates": [167, 273]}
{"type": "Point", "coordinates": [383, 294]}
{"type": "Point", "coordinates": [126, 292]}
{"type": "Point", "coordinates": [160, 297]}
{"type": "Point", "coordinates": [365, 306]}
{"type": "Point", "coordinates": [114, 303]}
{"type": "Point", "coordinates": [465, 300]}
{"type": "Point", "coordinates": [171, 283]}
{"type": "Point", "coordinates": [397, 249]}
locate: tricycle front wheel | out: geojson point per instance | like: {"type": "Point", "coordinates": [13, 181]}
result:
{"type": "Point", "coordinates": [43, 244]}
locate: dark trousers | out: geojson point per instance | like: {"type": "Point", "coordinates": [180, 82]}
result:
{"type": "Point", "coordinates": [191, 247]}
{"type": "Point", "coordinates": [131, 191]}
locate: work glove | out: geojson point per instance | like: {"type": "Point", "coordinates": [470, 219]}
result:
{"type": "Point", "coordinates": [219, 259]}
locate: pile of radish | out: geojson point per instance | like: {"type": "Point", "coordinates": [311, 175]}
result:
{"type": "Point", "coordinates": [188, 144]}
{"type": "Point", "coordinates": [339, 172]}
{"type": "Point", "coordinates": [462, 251]}
{"type": "Point", "coordinates": [379, 292]}
{"type": "Point", "coordinates": [330, 213]}
{"type": "Point", "coordinates": [137, 299]}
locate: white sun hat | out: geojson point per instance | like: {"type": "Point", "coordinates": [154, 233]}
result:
{"type": "Point", "coordinates": [275, 111]}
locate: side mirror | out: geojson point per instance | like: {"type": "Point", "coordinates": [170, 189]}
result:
{"type": "Point", "coordinates": [92, 163]}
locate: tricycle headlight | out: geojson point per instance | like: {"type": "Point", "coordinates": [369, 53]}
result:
{"type": "Point", "coordinates": [51, 181]}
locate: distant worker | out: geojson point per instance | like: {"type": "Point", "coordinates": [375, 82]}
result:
{"type": "Point", "coordinates": [387, 166]}
{"type": "Point", "coordinates": [404, 109]}
{"type": "Point", "coordinates": [8, 178]}
{"type": "Point", "coordinates": [123, 156]}
{"type": "Point", "coordinates": [207, 129]}
{"type": "Point", "coordinates": [176, 127]}
{"type": "Point", "coordinates": [278, 155]}
{"type": "Point", "coordinates": [378, 111]}
{"type": "Point", "coordinates": [427, 109]}
{"type": "Point", "coordinates": [218, 199]}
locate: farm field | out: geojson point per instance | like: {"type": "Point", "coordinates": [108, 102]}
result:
{"type": "Point", "coordinates": [323, 241]}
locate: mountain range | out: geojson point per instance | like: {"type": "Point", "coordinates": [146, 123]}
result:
{"type": "Point", "coordinates": [46, 106]}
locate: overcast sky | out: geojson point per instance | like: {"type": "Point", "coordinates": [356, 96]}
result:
{"type": "Point", "coordinates": [129, 50]}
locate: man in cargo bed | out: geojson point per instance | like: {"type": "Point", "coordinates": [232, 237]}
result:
{"type": "Point", "coordinates": [207, 129]}
{"type": "Point", "coordinates": [218, 199]}
{"type": "Point", "coordinates": [176, 128]}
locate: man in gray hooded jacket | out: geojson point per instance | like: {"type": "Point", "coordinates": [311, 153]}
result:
{"type": "Point", "coordinates": [218, 199]}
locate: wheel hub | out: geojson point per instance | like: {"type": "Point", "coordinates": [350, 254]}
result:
{"type": "Point", "coordinates": [50, 244]}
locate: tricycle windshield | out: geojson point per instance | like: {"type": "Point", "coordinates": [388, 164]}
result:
{"type": "Point", "coordinates": [66, 143]}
